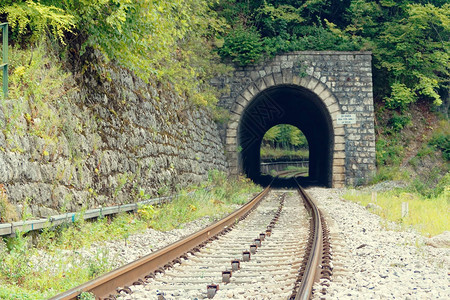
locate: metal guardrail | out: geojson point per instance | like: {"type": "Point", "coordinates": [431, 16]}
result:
{"type": "Point", "coordinates": [4, 64]}
{"type": "Point", "coordinates": [278, 166]}
{"type": "Point", "coordinates": [32, 225]}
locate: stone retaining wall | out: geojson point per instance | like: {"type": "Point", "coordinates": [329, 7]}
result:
{"type": "Point", "coordinates": [121, 139]}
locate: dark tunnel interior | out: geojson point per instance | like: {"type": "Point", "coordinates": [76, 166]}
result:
{"type": "Point", "coordinates": [292, 105]}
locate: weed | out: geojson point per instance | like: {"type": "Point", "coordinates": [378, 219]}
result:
{"type": "Point", "coordinates": [389, 152]}
{"type": "Point", "coordinates": [122, 180]}
{"type": "Point", "coordinates": [389, 173]}
{"type": "Point", "coordinates": [441, 139]}
{"type": "Point", "coordinates": [15, 263]}
{"type": "Point", "coordinates": [86, 296]}
{"type": "Point", "coordinates": [68, 268]}
{"type": "Point", "coordinates": [26, 210]}
{"type": "Point", "coordinates": [426, 215]}
{"type": "Point", "coordinates": [36, 83]}
{"type": "Point", "coordinates": [398, 122]}
{"type": "Point", "coordinates": [147, 213]}
{"type": "Point", "coordinates": [98, 265]}
{"type": "Point", "coordinates": [7, 210]}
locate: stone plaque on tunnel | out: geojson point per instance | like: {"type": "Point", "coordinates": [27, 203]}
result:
{"type": "Point", "coordinates": [343, 119]}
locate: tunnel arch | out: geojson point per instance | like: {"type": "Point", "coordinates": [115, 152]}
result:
{"type": "Point", "coordinates": [304, 102]}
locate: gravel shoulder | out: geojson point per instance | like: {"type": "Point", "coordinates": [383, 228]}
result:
{"type": "Point", "coordinates": [373, 259]}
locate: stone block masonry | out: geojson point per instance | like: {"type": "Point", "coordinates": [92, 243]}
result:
{"type": "Point", "coordinates": [120, 138]}
{"type": "Point", "coordinates": [342, 81]}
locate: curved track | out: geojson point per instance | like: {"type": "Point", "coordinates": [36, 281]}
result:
{"type": "Point", "coordinates": [269, 254]}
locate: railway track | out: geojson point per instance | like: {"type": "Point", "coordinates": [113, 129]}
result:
{"type": "Point", "coordinates": [274, 252]}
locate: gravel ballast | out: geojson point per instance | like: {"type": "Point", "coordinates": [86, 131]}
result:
{"type": "Point", "coordinates": [372, 258]}
{"type": "Point", "coordinates": [372, 262]}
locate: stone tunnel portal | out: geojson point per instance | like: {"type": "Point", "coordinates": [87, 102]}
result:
{"type": "Point", "coordinates": [297, 106]}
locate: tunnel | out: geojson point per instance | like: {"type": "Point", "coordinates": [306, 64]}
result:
{"type": "Point", "coordinates": [297, 106]}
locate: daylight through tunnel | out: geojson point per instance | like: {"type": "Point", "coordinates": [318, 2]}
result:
{"type": "Point", "coordinates": [299, 107]}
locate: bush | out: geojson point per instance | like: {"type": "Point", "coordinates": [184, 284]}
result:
{"type": "Point", "coordinates": [441, 140]}
{"type": "Point", "coordinates": [243, 45]}
{"type": "Point", "coordinates": [398, 122]}
{"type": "Point", "coordinates": [432, 184]}
{"type": "Point", "coordinates": [389, 152]}
{"type": "Point", "coordinates": [401, 97]}
{"type": "Point", "coordinates": [385, 173]}
{"type": "Point", "coordinates": [157, 40]}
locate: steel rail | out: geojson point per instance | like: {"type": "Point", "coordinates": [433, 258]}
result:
{"type": "Point", "coordinates": [107, 284]}
{"type": "Point", "coordinates": [315, 256]}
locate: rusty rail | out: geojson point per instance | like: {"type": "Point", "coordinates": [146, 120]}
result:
{"type": "Point", "coordinates": [107, 284]}
{"type": "Point", "coordinates": [311, 271]}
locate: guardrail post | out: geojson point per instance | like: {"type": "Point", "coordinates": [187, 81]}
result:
{"type": "Point", "coordinates": [4, 64]}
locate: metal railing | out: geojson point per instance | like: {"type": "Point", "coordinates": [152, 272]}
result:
{"type": "Point", "coordinates": [278, 166]}
{"type": "Point", "coordinates": [67, 218]}
{"type": "Point", "coordinates": [4, 64]}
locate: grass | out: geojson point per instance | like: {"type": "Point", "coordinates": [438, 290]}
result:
{"type": "Point", "coordinates": [216, 202]}
{"type": "Point", "coordinates": [297, 169]}
{"type": "Point", "coordinates": [24, 276]}
{"type": "Point", "coordinates": [278, 153]}
{"type": "Point", "coordinates": [429, 216]}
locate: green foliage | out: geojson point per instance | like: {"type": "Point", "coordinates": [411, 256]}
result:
{"type": "Point", "coordinates": [200, 202]}
{"type": "Point", "coordinates": [389, 152]}
{"type": "Point", "coordinates": [411, 53]}
{"type": "Point", "coordinates": [168, 41]}
{"type": "Point", "coordinates": [38, 86]}
{"type": "Point", "coordinates": [385, 173]}
{"type": "Point", "coordinates": [426, 215]}
{"type": "Point", "coordinates": [20, 278]}
{"type": "Point", "coordinates": [12, 292]}
{"type": "Point", "coordinates": [98, 265]}
{"type": "Point", "coordinates": [284, 141]}
{"type": "Point", "coordinates": [408, 38]}
{"type": "Point", "coordinates": [432, 184]}
{"type": "Point", "coordinates": [244, 46]}
{"type": "Point", "coordinates": [441, 139]}
{"type": "Point", "coordinates": [86, 296]}
{"type": "Point", "coordinates": [400, 97]}
{"type": "Point", "coordinates": [285, 135]}
{"type": "Point", "coordinates": [29, 20]}
{"type": "Point", "coordinates": [398, 122]}
{"type": "Point", "coordinates": [15, 264]}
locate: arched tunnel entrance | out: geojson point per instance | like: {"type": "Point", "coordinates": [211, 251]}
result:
{"type": "Point", "coordinates": [299, 107]}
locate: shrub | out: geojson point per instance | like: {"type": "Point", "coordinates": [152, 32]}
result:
{"type": "Point", "coordinates": [441, 139]}
{"type": "Point", "coordinates": [389, 152]}
{"type": "Point", "coordinates": [157, 40]}
{"type": "Point", "coordinates": [398, 122]}
{"type": "Point", "coordinates": [401, 96]}
{"type": "Point", "coordinates": [385, 173]}
{"type": "Point", "coordinates": [243, 45]}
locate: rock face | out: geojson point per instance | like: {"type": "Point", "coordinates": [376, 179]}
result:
{"type": "Point", "coordinates": [121, 138]}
